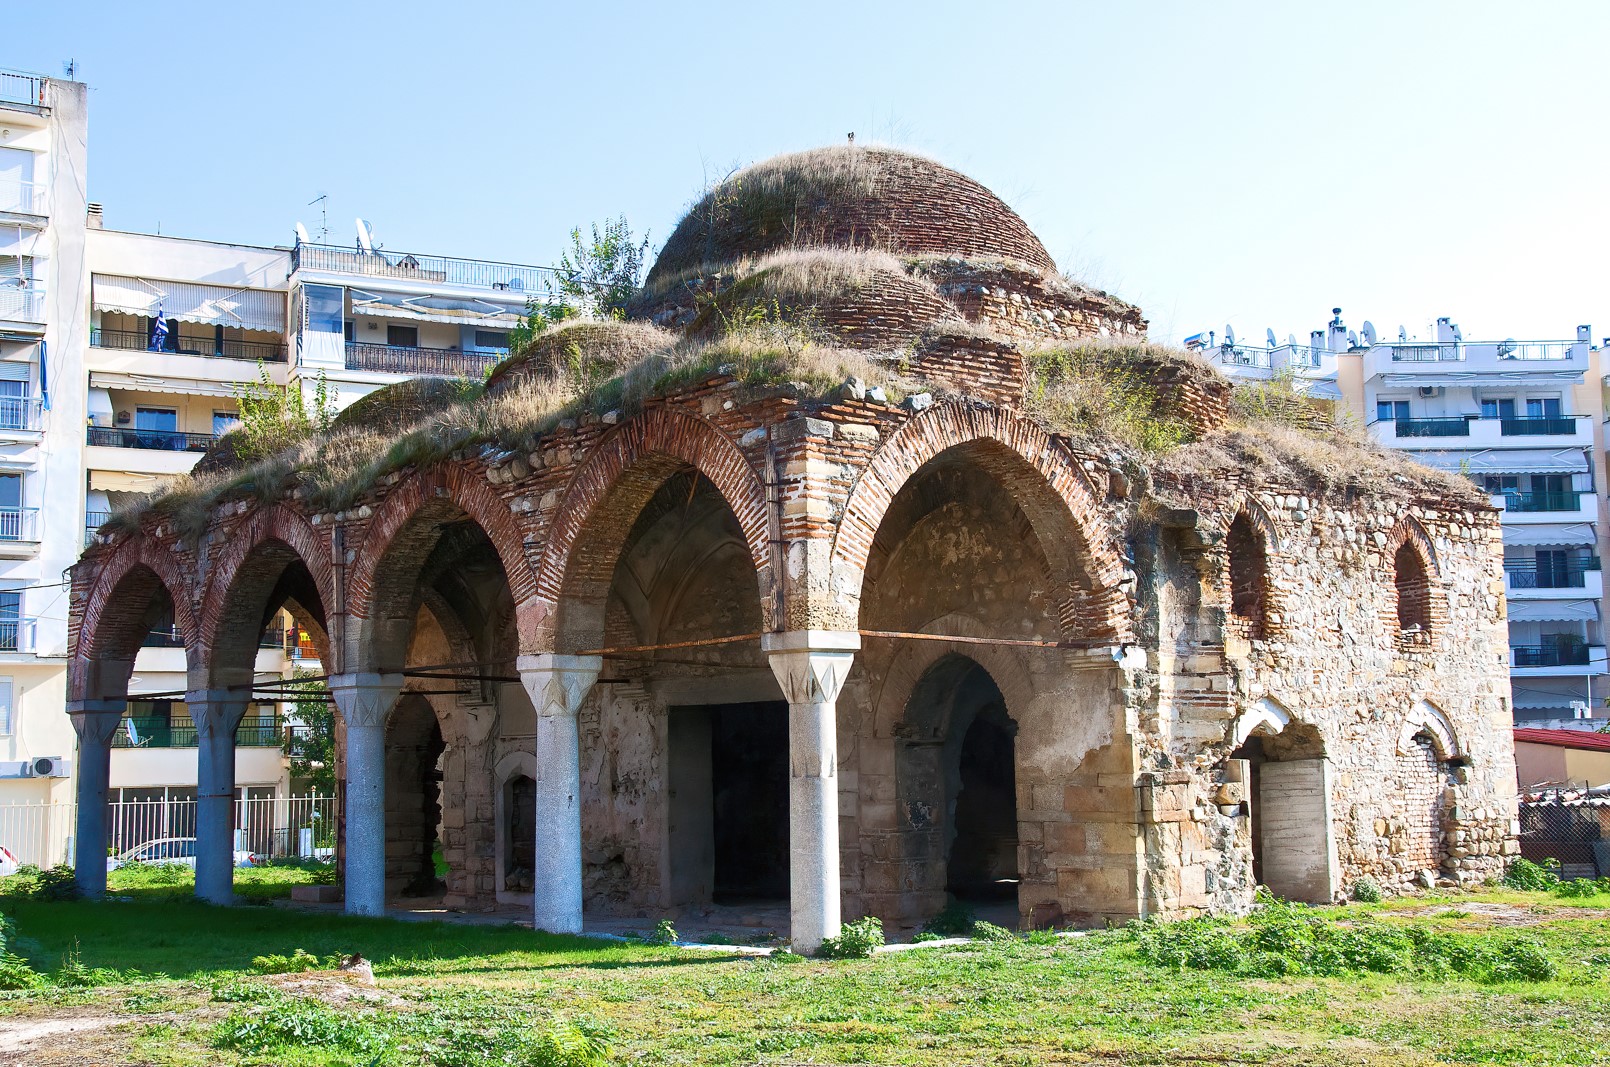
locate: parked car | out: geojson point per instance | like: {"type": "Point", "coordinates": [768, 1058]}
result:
{"type": "Point", "coordinates": [181, 850]}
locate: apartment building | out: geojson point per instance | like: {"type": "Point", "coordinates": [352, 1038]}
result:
{"type": "Point", "coordinates": [122, 356]}
{"type": "Point", "coordinates": [1525, 421]}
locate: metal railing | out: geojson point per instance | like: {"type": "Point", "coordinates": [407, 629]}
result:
{"type": "Point", "coordinates": [21, 303]}
{"type": "Point", "coordinates": [1428, 352]}
{"type": "Point", "coordinates": [1569, 501]}
{"type": "Point", "coordinates": [19, 524]}
{"type": "Point", "coordinates": [1454, 351]}
{"type": "Point", "coordinates": [19, 412]}
{"type": "Point", "coordinates": [17, 634]}
{"type": "Point", "coordinates": [160, 440]}
{"type": "Point", "coordinates": [439, 362]}
{"type": "Point", "coordinates": [93, 521]}
{"type": "Point", "coordinates": [139, 341]}
{"type": "Point", "coordinates": [1243, 356]}
{"type": "Point", "coordinates": [24, 198]}
{"type": "Point", "coordinates": [1454, 426]}
{"type": "Point", "coordinates": [1552, 427]}
{"type": "Point", "coordinates": [1562, 655]}
{"type": "Point", "coordinates": [267, 827]}
{"type": "Point", "coordinates": [1527, 574]}
{"type": "Point", "coordinates": [479, 273]}
{"type": "Point", "coordinates": [158, 731]}
{"type": "Point", "coordinates": [20, 87]}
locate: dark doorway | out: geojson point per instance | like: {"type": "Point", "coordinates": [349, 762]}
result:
{"type": "Point", "coordinates": [983, 856]}
{"type": "Point", "coordinates": [520, 842]}
{"type": "Point", "coordinates": [414, 750]}
{"type": "Point", "coordinates": [749, 797]}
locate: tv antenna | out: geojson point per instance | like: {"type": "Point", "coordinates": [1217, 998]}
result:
{"type": "Point", "coordinates": [324, 216]}
{"type": "Point", "coordinates": [70, 68]}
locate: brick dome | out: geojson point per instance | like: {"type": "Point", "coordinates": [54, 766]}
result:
{"type": "Point", "coordinates": [592, 347]}
{"type": "Point", "coordinates": [849, 197]}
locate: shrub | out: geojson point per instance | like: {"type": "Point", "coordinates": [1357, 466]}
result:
{"type": "Point", "coordinates": [300, 960]}
{"type": "Point", "coordinates": [926, 935]}
{"type": "Point", "coordinates": [987, 931]}
{"type": "Point", "coordinates": [956, 920]}
{"type": "Point", "coordinates": [1582, 887]}
{"type": "Point", "coordinates": [664, 933]}
{"type": "Point", "coordinates": [1525, 875]}
{"type": "Point", "coordinates": [15, 973]}
{"type": "Point", "coordinates": [292, 1022]}
{"type": "Point", "coordinates": [856, 941]}
{"type": "Point", "coordinates": [569, 1044]}
{"type": "Point", "coordinates": [1366, 891]}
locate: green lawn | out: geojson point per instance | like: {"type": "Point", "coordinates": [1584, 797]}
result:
{"type": "Point", "coordinates": [458, 994]}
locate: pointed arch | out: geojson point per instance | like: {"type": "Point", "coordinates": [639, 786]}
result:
{"type": "Point", "coordinates": [1428, 720]}
{"type": "Point", "coordinates": [1267, 716]}
{"type": "Point", "coordinates": [114, 618]}
{"type": "Point", "coordinates": [614, 484]}
{"type": "Point", "coordinates": [1251, 542]}
{"type": "Point", "coordinates": [1414, 607]}
{"type": "Point", "coordinates": [245, 576]}
{"type": "Point", "coordinates": [1045, 480]}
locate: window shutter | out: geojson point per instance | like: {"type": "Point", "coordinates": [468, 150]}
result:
{"type": "Point", "coordinates": [6, 715]}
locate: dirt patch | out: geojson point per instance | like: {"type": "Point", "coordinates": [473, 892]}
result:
{"type": "Point", "coordinates": [36, 1039]}
{"type": "Point", "coordinates": [336, 988]}
{"type": "Point", "coordinates": [1481, 913]}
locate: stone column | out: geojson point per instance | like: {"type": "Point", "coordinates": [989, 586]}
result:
{"type": "Point", "coordinates": [811, 666]}
{"type": "Point", "coordinates": [95, 721]}
{"type": "Point", "coordinates": [557, 685]}
{"type": "Point", "coordinates": [364, 702]}
{"type": "Point", "coordinates": [216, 713]}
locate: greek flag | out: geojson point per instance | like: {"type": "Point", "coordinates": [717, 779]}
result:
{"type": "Point", "coordinates": [159, 331]}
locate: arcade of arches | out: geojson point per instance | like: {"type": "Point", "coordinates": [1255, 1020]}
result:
{"type": "Point", "coordinates": [864, 662]}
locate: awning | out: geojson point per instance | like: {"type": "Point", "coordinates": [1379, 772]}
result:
{"type": "Point", "coordinates": [433, 309]}
{"type": "Point", "coordinates": [214, 305]}
{"type": "Point", "coordinates": [1320, 389]}
{"type": "Point", "coordinates": [124, 482]}
{"type": "Point", "coordinates": [1508, 461]}
{"type": "Point", "coordinates": [1478, 378]}
{"type": "Point", "coordinates": [1550, 533]}
{"type": "Point", "coordinates": [1553, 611]}
{"type": "Point", "coordinates": [148, 383]}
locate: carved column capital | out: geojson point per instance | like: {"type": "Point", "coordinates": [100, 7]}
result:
{"type": "Point", "coordinates": [365, 699]}
{"type": "Point", "coordinates": [217, 711]}
{"type": "Point", "coordinates": [811, 665]}
{"type": "Point", "coordinates": [558, 684]}
{"type": "Point", "coordinates": [95, 721]}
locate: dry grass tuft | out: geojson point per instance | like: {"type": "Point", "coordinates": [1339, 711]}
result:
{"type": "Point", "coordinates": [1104, 391]}
{"type": "Point", "coordinates": [584, 350]}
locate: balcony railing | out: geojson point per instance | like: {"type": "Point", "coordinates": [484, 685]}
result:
{"type": "Point", "coordinates": [16, 634]}
{"type": "Point", "coordinates": [93, 521]}
{"type": "Point", "coordinates": [1570, 501]}
{"type": "Point", "coordinates": [439, 362]}
{"type": "Point", "coordinates": [19, 524]}
{"type": "Point", "coordinates": [1454, 351]}
{"type": "Point", "coordinates": [20, 87]}
{"type": "Point", "coordinates": [1526, 574]}
{"type": "Point", "coordinates": [24, 198]}
{"type": "Point", "coordinates": [479, 273]}
{"type": "Point", "coordinates": [1564, 655]}
{"type": "Point", "coordinates": [158, 731]}
{"type": "Point", "coordinates": [1552, 427]}
{"type": "Point", "coordinates": [1457, 426]}
{"type": "Point", "coordinates": [19, 413]}
{"type": "Point", "coordinates": [21, 303]}
{"type": "Point", "coordinates": [161, 440]}
{"type": "Point", "coordinates": [139, 341]}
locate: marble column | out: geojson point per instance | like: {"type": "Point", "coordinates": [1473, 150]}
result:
{"type": "Point", "coordinates": [364, 701]}
{"type": "Point", "coordinates": [811, 666]}
{"type": "Point", "coordinates": [216, 713]}
{"type": "Point", "coordinates": [95, 721]}
{"type": "Point", "coordinates": [557, 685]}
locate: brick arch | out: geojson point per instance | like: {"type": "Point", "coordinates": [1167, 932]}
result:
{"type": "Point", "coordinates": [112, 620]}
{"type": "Point", "coordinates": [1409, 529]}
{"type": "Point", "coordinates": [1042, 477]}
{"type": "Point", "coordinates": [617, 481]}
{"type": "Point", "coordinates": [1262, 600]}
{"type": "Point", "coordinates": [1426, 719]}
{"type": "Point", "coordinates": [912, 660]}
{"type": "Point", "coordinates": [1429, 607]}
{"type": "Point", "coordinates": [246, 574]}
{"type": "Point", "coordinates": [440, 491]}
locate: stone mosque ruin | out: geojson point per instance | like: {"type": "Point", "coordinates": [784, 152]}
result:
{"type": "Point", "coordinates": [867, 564]}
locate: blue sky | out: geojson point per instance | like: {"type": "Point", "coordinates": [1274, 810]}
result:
{"type": "Point", "coordinates": [1250, 163]}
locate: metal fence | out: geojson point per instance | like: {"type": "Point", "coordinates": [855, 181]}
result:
{"type": "Point", "coordinates": [439, 362]}
{"type": "Point", "coordinates": [41, 832]}
{"type": "Point", "coordinates": [480, 273]}
{"type": "Point", "coordinates": [140, 341]}
{"type": "Point", "coordinates": [1569, 827]}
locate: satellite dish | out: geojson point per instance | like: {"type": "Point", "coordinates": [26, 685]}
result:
{"type": "Point", "coordinates": [1403, 335]}
{"type": "Point", "coordinates": [1270, 334]}
{"type": "Point", "coordinates": [1291, 339]}
{"type": "Point", "coordinates": [1229, 335]}
{"type": "Point", "coordinates": [366, 238]}
{"type": "Point", "coordinates": [1368, 333]}
{"type": "Point", "coordinates": [301, 235]}
{"type": "Point", "coordinates": [1352, 339]}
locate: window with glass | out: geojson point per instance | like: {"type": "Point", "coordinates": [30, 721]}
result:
{"type": "Point", "coordinates": [11, 513]}
{"type": "Point", "coordinates": [224, 421]}
{"type": "Point", "coordinates": [10, 621]}
{"type": "Point", "coordinates": [7, 715]}
{"type": "Point", "coordinates": [491, 339]}
{"type": "Point", "coordinates": [402, 336]}
{"type": "Point", "coordinates": [326, 308]}
{"type": "Point", "coordinates": [1391, 410]}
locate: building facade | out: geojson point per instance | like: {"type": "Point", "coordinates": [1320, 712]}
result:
{"type": "Point", "coordinates": [1524, 421]}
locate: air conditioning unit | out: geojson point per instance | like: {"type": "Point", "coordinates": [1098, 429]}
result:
{"type": "Point", "coordinates": [49, 767]}
{"type": "Point", "coordinates": [1430, 390]}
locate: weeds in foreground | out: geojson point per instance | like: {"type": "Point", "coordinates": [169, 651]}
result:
{"type": "Point", "coordinates": [857, 940]}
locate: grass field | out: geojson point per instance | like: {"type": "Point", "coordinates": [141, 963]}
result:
{"type": "Point", "coordinates": [158, 981]}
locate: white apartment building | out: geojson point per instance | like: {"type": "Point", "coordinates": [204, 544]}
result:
{"type": "Point", "coordinates": [1522, 419]}
{"type": "Point", "coordinates": [121, 359]}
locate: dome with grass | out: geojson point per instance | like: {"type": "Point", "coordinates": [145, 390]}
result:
{"type": "Point", "coordinates": [846, 197]}
{"type": "Point", "coordinates": [582, 348]}
{"type": "Point", "coordinates": [402, 404]}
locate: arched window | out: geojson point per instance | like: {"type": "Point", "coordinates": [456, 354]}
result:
{"type": "Point", "coordinates": [1413, 590]}
{"type": "Point", "coordinates": [1249, 575]}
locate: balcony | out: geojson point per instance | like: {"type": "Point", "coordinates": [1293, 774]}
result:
{"type": "Point", "coordinates": [431, 270]}
{"type": "Point", "coordinates": [138, 341]}
{"type": "Point", "coordinates": [19, 532]}
{"type": "Point", "coordinates": [158, 731]}
{"type": "Point", "coordinates": [1248, 361]}
{"type": "Point", "coordinates": [1475, 362]}
{"type": "Point", "coordinates": [24, 303]}
{"type": "Point", "coordinates": [20, 87]}
{"type": "Point", "coordinates": [93, 521]}
{"type": "Point", "coordinates": [1525, 580]}
{"type": "Point", "coordinates": [1475, 432]}
{"type": "Point", "coordinates": [157, 440]}
{"type": "Point", "coordinates": [1557, 660]}
{"type": "Point", "coordinates": [17, 634]}
{"type": "Point", "coordinates": [1456, 426]}
{"type": "Point", "coordinates": [24, 198]}
{"type": "Point", "coordinates": [19, 414]}
{"type": "Point", "coordinates": [1574, 506]}
{"type": "Point", "coordinates": [414, 362]}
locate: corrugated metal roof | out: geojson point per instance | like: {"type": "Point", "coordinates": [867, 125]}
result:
{"type": "Point", "coordinates": [1585, 739]}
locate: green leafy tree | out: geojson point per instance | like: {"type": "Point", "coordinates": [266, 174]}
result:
{"type": "Point", "coordinates": [601, 274]}
{"type": "Point", "coordinates": [273, 416]}
{"type": "Point", "coordinates": [311, 745]}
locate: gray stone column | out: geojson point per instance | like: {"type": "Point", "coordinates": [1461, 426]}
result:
{"type": "Point", "coordinates": [216, 713]}
{"type": "Point", "coordinates": [95, 721]}
{"type": "Point", "coordinates": [811, 666]}
{"type": "Point", "coordinates": [557, 685]}
{"type": "Point", "coordinates": [364, 702]}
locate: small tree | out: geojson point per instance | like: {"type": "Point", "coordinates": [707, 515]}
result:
{"type": "Point", "coordinates": [273, 416]}
{"type": "Point", "coordinates": [310, 745]}
{"type": "Point", "coordinates": [604, 274]}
